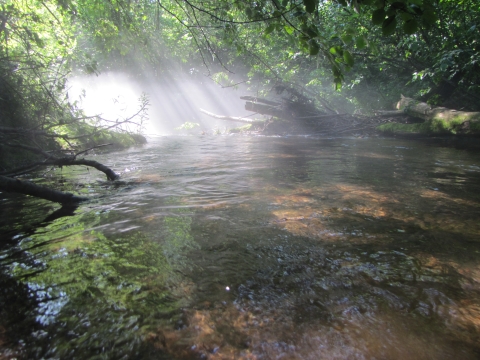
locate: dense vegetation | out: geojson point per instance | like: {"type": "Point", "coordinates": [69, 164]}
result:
{"type": "Point", "coordinates": [353, 55]}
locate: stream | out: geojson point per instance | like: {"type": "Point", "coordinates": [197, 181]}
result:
{"type": "Point", "coordinates": [249, 247]}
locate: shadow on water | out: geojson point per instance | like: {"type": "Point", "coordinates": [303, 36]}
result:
{"type": "Point", "coordinates": [253, 248]}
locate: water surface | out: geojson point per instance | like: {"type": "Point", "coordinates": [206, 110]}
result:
{"type": "Point", "coordinates": [234, 247]}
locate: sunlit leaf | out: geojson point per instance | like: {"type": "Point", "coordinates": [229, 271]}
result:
{"type": "Point", "coordinates": [336, 50]}
{"type": "Point", "coordinates": [289, 29]}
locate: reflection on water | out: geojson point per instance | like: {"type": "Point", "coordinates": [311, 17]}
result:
{"type": "Point", "coordinates": [250, 248]}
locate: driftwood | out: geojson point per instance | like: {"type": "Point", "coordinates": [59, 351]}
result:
{"type": "Point", "coordinates": [28, 188]}
{"type": "Point", "coordinates": [319, 123]}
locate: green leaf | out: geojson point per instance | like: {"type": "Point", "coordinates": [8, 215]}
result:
{"type": "Point", "coordinates": [312, 31]}
{"type": "Point", "coordinates": [429, 16]}
{"type": "Point", "coordinates": [337, 78]}
{"type": "Point", "coordinates": [313, 47]}
{"type": "Point", "coordinates": [360, 42]}
{"type": "Point", "coordinates": [389, 25]}
{"type": "Point", "coordinates": [416, 2]}
{"type": "Point", "coordinates": [378, 16]}
{"type": "Point", "coordinates": [310, 5]}
{"type": "Point", "coordinates": [269, 29]}
{"type": "Point", "coordinates": [391, 11]}
{"type": "Point", "coordinates": [399, 5]}
{"type": "Point", "coordinates": [351, 31]}
{"type": "Point", "coordinates": [406, 16]}
{"type": "Point", "coordinates": [410, 26]}
{"type": "Point", "coordinates": [336, 50]}
{"type": "Point", "coordinates": [374, 48]}
{"type": "Point", "coordinates": [289, 29]}
{"type": "Point", "coordinates": [348, 58]}
{"type": "Point", "coordinates": [347, 38]}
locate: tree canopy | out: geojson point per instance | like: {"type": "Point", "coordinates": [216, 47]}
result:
{"type": "Point", "coordinates": [356, 55]}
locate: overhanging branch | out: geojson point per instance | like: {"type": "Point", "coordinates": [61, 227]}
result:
{"type": "Point", "coordinates": [25, 187]}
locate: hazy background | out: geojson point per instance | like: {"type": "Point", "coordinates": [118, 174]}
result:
{"type": "Point", "coordinates": [173, 100]}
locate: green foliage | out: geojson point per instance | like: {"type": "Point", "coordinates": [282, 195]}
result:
{"type": "Point", "coordinates": [188, 125]}
{"type": "Point", "coordinates": [371, 50]}
{"type": "Point", "coordinates": [310, 5]}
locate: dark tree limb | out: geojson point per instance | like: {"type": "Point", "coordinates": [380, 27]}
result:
{"type": "Point", "coordinates": [63, 161]}
{"type": "Point", "coordinates": [25, 187]}
{"type": "Point", "coordinates": [266, 110]}
{"type": "Point", "coordinates": [111, 175]}
{"type": "Point", "coordinates": [260, 100]}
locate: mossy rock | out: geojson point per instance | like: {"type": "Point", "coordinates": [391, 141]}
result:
{"type": "Point", "coordinates": [241, 129]}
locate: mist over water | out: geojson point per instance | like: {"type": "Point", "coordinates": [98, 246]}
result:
{"type": "Point", "coordinates": [174, 100]}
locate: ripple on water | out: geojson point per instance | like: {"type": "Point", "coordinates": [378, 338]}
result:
{"type": "Point", "coordinates": [254, 248]}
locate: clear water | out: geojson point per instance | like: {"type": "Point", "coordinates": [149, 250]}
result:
{"type": "Point", "coordinates": [249, 248]}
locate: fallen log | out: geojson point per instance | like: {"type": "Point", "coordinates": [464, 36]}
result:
{"type": "Point", "coordinates": [388, 113]}
{"type": "Point", "coordinates": [426, 112]}
{"type": "Point", "coordinates": [437, 120]}
{"type": "Point", "coordinates": [232, 118]}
